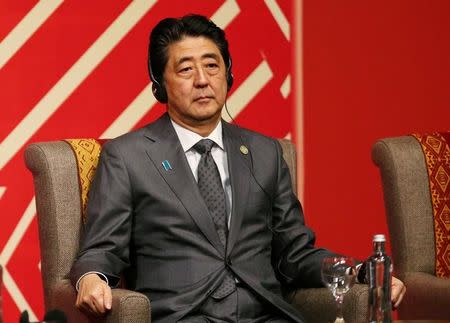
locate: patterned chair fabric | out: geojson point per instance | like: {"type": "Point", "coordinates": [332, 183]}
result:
{"type": "Point", "coordinates": [62, 172]}
{"type": "Point", "coordinates": [410, 218]}
{"type": "Point", "coordinates": [436, 150]}
{"type": "Point", "coordinates": [87, 154]}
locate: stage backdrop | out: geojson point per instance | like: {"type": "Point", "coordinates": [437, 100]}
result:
{"type": "Point", "coordinates": [72, 69]}
{"type": "Point", "coordinates": [372, 69]}
{"type": "Point", "coordinates": [369, 69]}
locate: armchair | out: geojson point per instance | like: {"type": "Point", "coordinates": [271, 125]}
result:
{"type": "Point", "coordinates": [59, 209]}
{"type": "Point", "coordinates": [409, 212]}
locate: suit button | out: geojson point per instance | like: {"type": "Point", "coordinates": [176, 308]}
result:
{"type": "Point", "coordinates": [229, 261]}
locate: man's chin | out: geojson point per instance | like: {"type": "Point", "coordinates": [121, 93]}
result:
{"type": "Point", "coordinates": [206, 114]}
{"type": "Point", "coordinates": [199, 116]}
{"type": "Point", "coordinates": [205, 119]}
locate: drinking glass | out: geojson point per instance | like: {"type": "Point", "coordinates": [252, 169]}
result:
{"type": "Point", "coordinates": [338, 274]}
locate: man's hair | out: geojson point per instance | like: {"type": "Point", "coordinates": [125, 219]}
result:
{"type": "Point", "coordinates": [171, 30]}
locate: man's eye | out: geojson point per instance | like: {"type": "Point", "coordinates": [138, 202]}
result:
{"type": "Point", "coordinates": [212, 65]}
{"type": "Point", "coordinates": [185, 69]}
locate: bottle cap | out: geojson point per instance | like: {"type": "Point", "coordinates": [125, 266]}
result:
{"type": "Point", "coordinates": [379, 238]}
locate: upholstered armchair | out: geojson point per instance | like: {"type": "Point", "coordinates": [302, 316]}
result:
{"type": "Point", "coordinates": [59, 204]}
{"type": "Point", "coordinates": [409, 212]}
{"type": "Point", "coordinates": [59, 210]}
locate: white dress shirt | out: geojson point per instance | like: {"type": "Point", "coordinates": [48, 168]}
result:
{"type": "Point", "coordinates": [189, 138]}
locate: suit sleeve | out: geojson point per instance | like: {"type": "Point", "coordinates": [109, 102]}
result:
{"type": "Point", "coordinates": [105, 242]}
{"type": "Point", "coordinates": [296, 260]}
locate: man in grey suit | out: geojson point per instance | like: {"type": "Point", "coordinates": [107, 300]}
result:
{"type": "Point", "coordinates": [197, 213]}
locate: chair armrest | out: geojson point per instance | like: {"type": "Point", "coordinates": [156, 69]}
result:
{"type": "Point", "coordinates": [132, 307]}
{"type": "Point", "coordinates": [427, 296]}
{"type": "Point", "coordinates": [318, 305]}
{"type": "Point", "coordinates": [127, 306]}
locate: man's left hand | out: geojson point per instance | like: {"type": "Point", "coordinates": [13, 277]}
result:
{"type": "Point", "coordinates": [397, 292]}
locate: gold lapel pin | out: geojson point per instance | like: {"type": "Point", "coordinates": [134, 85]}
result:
{"type": "Point", "coordinates": [243, 150]}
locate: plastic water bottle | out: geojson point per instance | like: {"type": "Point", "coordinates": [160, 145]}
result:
{"type": "Point", "coordinates": [379, 274]}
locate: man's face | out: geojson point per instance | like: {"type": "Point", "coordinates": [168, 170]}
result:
{"type": "Point", "coordinates": [195, 82]}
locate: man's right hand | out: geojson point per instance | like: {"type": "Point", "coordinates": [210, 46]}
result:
{"type": "Point", "coordinates": [94, 295]}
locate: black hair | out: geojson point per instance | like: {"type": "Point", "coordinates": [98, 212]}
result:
{"type": "Point", "coordinates": [171, 30]}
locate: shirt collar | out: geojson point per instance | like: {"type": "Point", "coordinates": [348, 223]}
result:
{"type": "Point", "coordinates": [189, 138]}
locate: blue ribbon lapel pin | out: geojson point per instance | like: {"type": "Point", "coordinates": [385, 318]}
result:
{"type": "Point", "coordinates": [166, 165]}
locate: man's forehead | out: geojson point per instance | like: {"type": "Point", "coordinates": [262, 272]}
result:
{"type": "Point", "coordinates": [190, 48]}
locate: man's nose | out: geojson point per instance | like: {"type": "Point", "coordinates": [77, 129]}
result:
{"type": "Point", "coordinates": [201, 78]}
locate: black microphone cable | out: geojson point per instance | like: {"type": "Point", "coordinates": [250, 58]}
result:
{"type": "Point", "coordinates": [269, 197]}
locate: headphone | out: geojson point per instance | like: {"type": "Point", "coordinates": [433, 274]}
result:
{"type": "Point", "coordinates": [159, 91]}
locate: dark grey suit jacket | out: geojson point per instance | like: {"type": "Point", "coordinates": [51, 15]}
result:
{"type": "Point", "coordinates": [152, 223]}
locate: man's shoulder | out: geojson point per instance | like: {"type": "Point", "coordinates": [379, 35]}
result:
{"type": "Point", "coordinates": [135, 137]}
{"type": "Point", "coordinates": [124, 140]}
{"type": "Point", "coordinates": [250, 135]}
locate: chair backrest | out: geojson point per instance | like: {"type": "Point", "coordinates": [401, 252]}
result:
{"type": "Point", "coordinates": [58, 204]}
{"type": "Point", "coordinates": [408, 203]}
{"type": "Point", "coordinates": [290, 156]}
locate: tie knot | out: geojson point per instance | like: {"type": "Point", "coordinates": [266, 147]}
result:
{"type": "Point", "coordinates": [204, 146]}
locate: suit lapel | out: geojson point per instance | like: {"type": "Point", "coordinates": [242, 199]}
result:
{"type": "Point", "coordinates": [239, 166]}
{"type": "Point", "coordinates": [165, 146]}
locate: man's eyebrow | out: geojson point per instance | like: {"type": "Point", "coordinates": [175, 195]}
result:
{"type": "Point", "coordinates": [190, 58]}
{"type": "Point", "coordinates": [184, 59]}
{"type": "Point", "coordinates": [211, 55]}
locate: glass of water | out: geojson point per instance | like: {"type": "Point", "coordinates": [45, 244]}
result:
{"type": "Point", "coordinates": [339, 274]}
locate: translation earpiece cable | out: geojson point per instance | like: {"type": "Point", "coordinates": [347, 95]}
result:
{"type": "Point", "coordinates": [269, 225]}
{"type": "Point", "coordinates": [228, 112]}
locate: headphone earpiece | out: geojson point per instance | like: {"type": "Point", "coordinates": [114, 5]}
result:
{"type": "Point", "coordinates": [159, 91]}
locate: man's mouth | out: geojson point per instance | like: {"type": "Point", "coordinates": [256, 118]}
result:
{"type": "Point", "coordinates": [204, 98]}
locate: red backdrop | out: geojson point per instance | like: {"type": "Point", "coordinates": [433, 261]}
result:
{"type": "Point", "coordinates": [370, 69]}
{"type": "Point", "coordinates": [75, 69]}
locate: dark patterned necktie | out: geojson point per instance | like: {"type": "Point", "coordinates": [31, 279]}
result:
{"type": "Point", "coordinates": [211, 189]}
